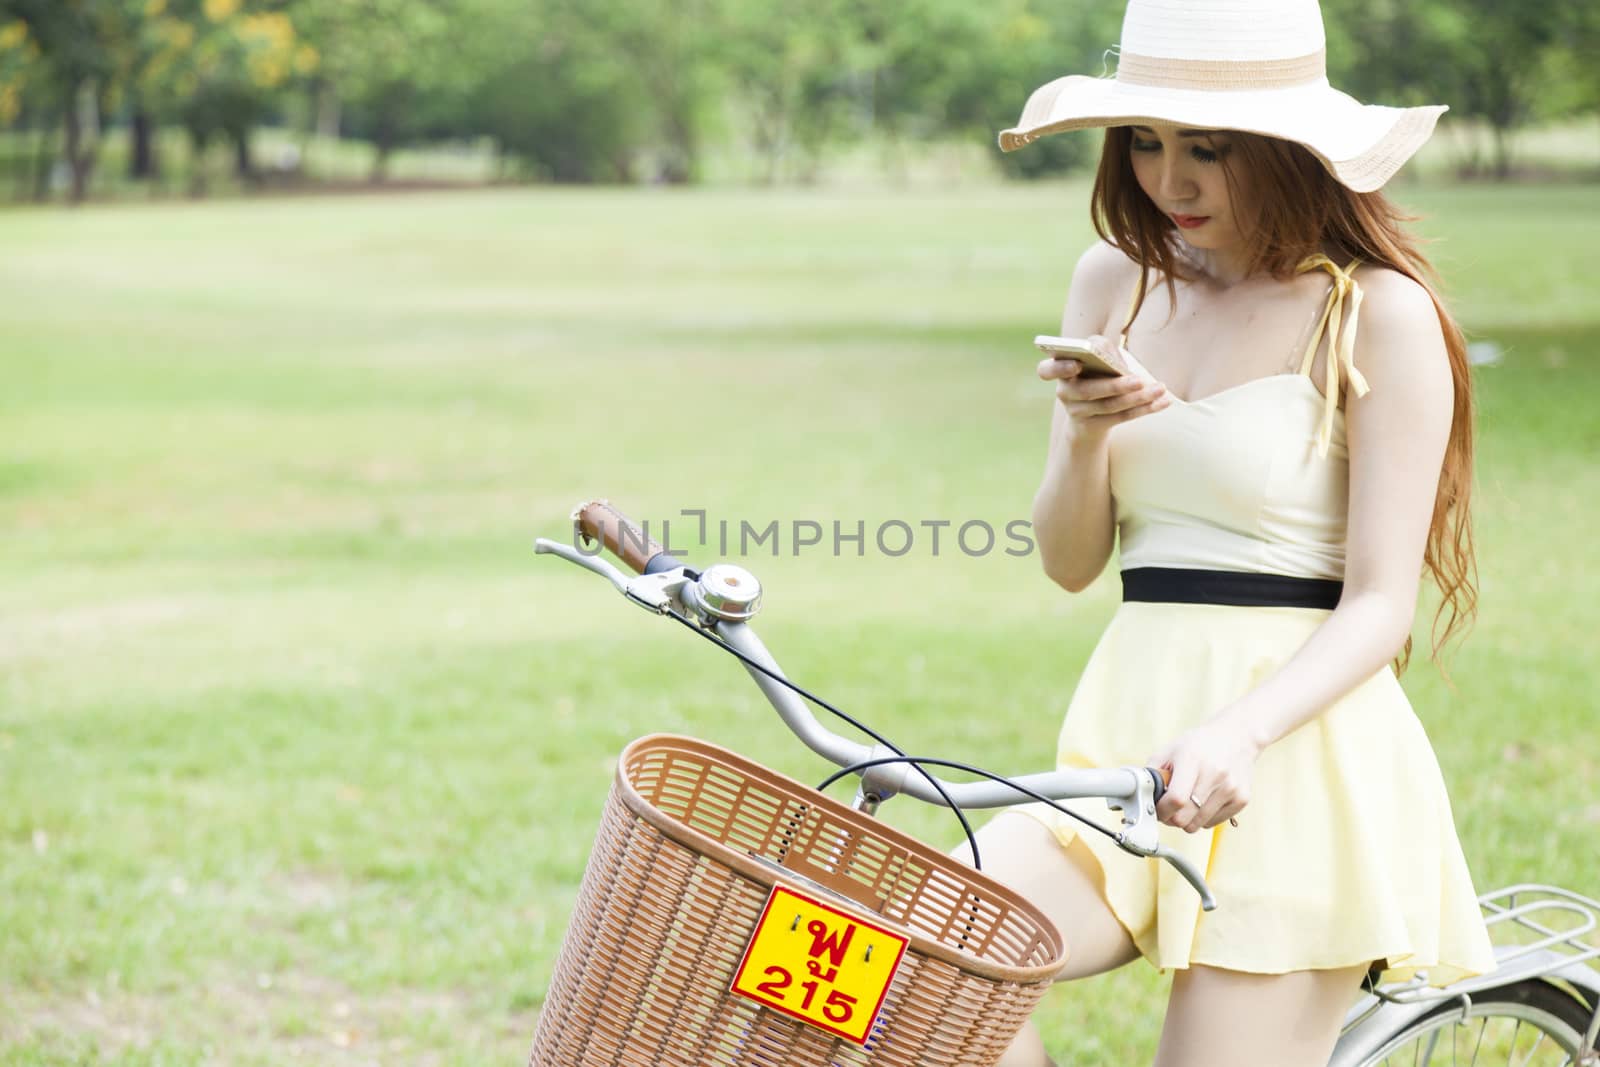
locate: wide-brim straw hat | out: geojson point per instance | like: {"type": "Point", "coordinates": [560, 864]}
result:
{"type": "Point", "coordinates": [1253, 65]}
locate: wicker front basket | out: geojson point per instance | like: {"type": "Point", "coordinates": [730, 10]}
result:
{"type": "Point", "coordinates": [692, 839]}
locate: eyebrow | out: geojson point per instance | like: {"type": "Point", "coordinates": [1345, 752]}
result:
{"type": "Point", "coordinates": [1181, 133]}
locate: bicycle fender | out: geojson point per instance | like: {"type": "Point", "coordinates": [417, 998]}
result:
{"type": "Point", "coordinates": [1372, 1021]}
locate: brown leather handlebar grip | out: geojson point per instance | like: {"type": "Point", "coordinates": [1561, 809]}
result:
{"type": "Point", "coordinates": [597, 520]}
{"type": "Point", "coordinates": [1163, 778]}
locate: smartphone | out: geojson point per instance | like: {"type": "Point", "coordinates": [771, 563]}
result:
{"type": "Point", "coordinates": [1094, 364]}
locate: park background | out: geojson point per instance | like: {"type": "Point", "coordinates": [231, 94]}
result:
{"type": "Point", "coordinates": [300, 745]}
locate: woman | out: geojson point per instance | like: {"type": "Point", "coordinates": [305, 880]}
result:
{"type": "Point", "coordinates": [1275, 507]}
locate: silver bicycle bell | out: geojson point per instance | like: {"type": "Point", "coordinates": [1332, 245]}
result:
{"type": "Point", "coordinates": [728, 592]}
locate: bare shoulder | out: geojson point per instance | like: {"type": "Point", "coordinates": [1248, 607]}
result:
{"type": "Point", "coordinates": [1400, 345]}
{"type": "Point", "coordinates": [1396, 299]}
{"type": "Point", "coordinates": [1099, 282]}
{"type": "Point", "coordinates": [1105, 266]}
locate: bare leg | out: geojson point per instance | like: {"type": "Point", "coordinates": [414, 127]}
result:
{"type": "Point", "coordinates": [1064, 883]}
{"type": "Point", "coordinates": [1220, 1018]}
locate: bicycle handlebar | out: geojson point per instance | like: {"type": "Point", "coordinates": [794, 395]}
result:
{"type": "Point", "coordinates": [724, 596]}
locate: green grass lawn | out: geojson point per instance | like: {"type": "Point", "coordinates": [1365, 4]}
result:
{"type": "Point", "coordinates": [300, 744]}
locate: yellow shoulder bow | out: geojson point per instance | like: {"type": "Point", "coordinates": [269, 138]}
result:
{"type": "Point", "coordinates": [1341, 342]}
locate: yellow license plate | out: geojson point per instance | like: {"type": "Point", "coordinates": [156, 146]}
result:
{"type": "Point", "coordinates": [819, 964]}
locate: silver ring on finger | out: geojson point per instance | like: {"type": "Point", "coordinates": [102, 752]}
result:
{"type": "Point", "coordinates": [1196, 801]}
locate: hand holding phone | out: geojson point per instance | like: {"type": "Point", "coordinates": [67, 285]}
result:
{"type": "Point", "coordinates": [1094, 363]}
{"type": "Point", "coordinates": [1099, 384]}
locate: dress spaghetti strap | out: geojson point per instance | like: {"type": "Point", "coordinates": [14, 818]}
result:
{"type": "Point", "coordinates": [1339, 323]}
{"type": "Point", "coordinates": [1133, 308]}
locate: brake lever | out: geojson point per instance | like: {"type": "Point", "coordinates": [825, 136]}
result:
{"type": "Point", "coordinates": [542, 545]}
{"type": "Point", "coordinates": [1190, 875]}
{"type": "Point", "coordinates": [659, 592]}
{"type": "Point", "coordinates": [1140, 834]}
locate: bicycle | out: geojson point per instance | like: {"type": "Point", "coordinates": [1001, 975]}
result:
{"type": "Point", "coordinates": [703, 857]}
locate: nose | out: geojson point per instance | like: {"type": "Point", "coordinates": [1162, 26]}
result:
{"type": "Point", "coordinates": [1177, 185]}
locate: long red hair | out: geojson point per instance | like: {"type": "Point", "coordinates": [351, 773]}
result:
{"type": "Point", "coordinates": [1298, 209]}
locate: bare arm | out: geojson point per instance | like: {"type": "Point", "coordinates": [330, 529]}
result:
{"type": "Point", "coordinates": [1396, 435]}
{"type": "Point", "coordinates": [1073, 517]}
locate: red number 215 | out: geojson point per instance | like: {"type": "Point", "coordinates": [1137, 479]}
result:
{"type": "Point", "coordinates": [836, 1006]}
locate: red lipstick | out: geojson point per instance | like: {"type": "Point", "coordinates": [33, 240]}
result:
{"type": "Point", "coordinates": [1189, 222]}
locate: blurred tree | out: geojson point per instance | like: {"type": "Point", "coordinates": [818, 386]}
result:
{"type": "Point", "coordinates": [398, 68]}
{"type": "Point", "coordinates": [1485, 58]}
{"type": "Point", "coordinates": [1573, 75]}
{"type": "Point", "coordinates": [19, 63]}
{"type": "Point", "coordinates": [672, 49]}
{"type": "Point", "coordinates": [76, 42]}
{"type": "Point", "coordinates": [213, 64]}
{"type": "Point", "coordinates": [924, 57]}
{"type": "Point", "coordinates": [143, 58]}
{"type": "Point", "coordinates": [225, 62]}
{"type": "Point", "coordinates": [794, 73]}
{"type": "Point", "coordinates": [557, 96]}
{"type": "Point", "coordinates": [1500, 63]}
{"type": "Point", "coordinates": [1042, 42]}
{"type": "Point", "coordinates": [603, 90]}
{"type": "Point", "coordinates": [1402, 53]}
{"type": "Point", "coordinates": [21, 94]}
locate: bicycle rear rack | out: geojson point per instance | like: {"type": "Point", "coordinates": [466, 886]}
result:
{"type": "Point", "coordinates": [1558, 919]}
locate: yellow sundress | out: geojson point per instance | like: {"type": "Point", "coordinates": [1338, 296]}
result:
{"type": "Point", "coordinates": [1347, 852]}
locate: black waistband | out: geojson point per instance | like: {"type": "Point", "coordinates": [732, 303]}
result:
{"type": "Point", "coordinates": [1179, 585]}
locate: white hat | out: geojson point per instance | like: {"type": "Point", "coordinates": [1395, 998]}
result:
{"type": "Point", "coordinates": [1253, 65]}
